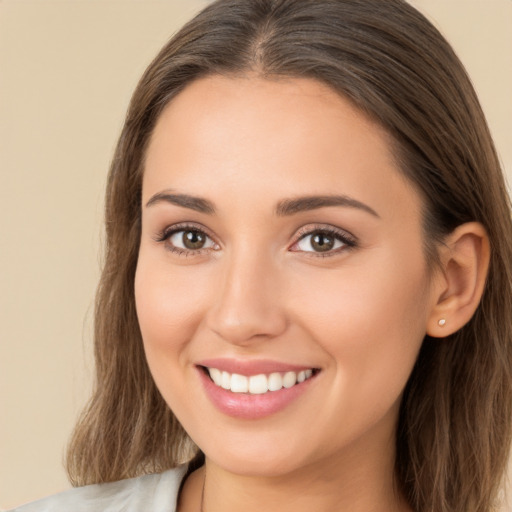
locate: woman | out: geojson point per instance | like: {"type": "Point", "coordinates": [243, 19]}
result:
{"type": "Point", "coordinates": [308, 287]}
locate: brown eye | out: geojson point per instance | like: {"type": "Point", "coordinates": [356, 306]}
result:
{"type": "Point", "coordinates": [193, 239]}
{"type": "Point", "coordinates": [190, 240]}
{"type": "Point", "coordinates": [322, 242]}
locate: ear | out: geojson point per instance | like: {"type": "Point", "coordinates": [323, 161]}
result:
{"type": "Point", "coordinates": [460, 283]}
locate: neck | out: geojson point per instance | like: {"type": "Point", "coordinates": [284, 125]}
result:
{"type": "Point", "coordinates": [325, 486]}
{"type": "Point", "coordinates": [300, 492]}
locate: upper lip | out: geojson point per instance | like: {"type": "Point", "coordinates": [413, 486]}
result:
{"type": "Point", "coordinates": [252, 367]}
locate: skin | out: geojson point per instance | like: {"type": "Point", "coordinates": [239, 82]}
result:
{"type": "Point", "coordinates": [255, 291]}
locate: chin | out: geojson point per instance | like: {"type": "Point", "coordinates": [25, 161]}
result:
{"type": "Point", "coordinates": [257, 458]}
{"type": "Point", "coordinates": [262, 467]}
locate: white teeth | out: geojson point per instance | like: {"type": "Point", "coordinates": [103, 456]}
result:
{"type": "Point", "coordinates": [216, 375]}
{"type": "Point", "coordinates": [239, 383]}
{"type": "Point", "coordinates": [257, 384]}
{"type": "Point", "coordinates": [289, 379]}
{"type": "Point", "coordinates": [226, 380]}
{"type": "Point", "coordinates": [275, 382]}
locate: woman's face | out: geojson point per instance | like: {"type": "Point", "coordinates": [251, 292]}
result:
{"type": "Point", "coordinates": [280, 244]}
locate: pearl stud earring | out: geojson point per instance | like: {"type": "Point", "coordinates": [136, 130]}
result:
{"type": "Point", "coordinates": [441, 322]}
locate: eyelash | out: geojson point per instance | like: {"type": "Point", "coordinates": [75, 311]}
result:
{"type": "Point", "coordinates": [167, 233]}
{"type": "Point", "coordinates": [348, 240]}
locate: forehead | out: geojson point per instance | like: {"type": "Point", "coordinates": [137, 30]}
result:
{"type": "Point", "coordinates": [232, 136]}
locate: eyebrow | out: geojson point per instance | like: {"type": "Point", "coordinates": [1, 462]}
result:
{"type": "Point", "coordinates": [193, 203]}
{"type": "Point", "coordinates": [284, 208]}
{"type": "Point", "coordinates": [302, 204]}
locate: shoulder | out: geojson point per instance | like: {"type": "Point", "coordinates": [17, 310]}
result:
{"type": "Point", "coordinates": [151, 493]}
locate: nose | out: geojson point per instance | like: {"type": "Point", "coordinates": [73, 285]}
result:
{"type": "Point", "coordinates": [248, 304]}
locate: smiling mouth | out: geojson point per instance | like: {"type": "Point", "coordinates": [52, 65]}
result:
{"type": "Point", "coordinates": [258, 384]}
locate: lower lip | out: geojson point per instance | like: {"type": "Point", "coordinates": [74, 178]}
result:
{"type": "Point", "coordinates": [251, 407]}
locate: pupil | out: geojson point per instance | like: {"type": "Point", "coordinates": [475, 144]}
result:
{"type": "Point", "coordinates": [193, 239]}
{"type": "Point", "coordinates": [322, 242]}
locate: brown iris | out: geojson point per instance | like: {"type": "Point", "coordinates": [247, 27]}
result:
{"type": "Point", "coordinates": [193, 240]}
{"type": "Point", "coordinates": [322, 242]}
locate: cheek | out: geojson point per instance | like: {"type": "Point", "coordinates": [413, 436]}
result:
{"type": "Point", "coordinates": [371, 320]}
{"type": "Point", "coordinates": [169, 310]}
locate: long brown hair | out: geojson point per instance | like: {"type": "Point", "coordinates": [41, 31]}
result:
{"type": "Point", "coordinates": [454, 427]}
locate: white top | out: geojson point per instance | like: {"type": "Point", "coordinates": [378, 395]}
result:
{"type": "Point", "coordinates": [148, 493]}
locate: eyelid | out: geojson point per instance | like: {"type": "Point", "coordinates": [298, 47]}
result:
{"type": "Point", "coordinates": [164, 235]}
{"type": "Point", "coordinates": [349, 240]}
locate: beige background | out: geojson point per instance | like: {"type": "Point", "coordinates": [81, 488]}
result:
{"type": "Point", "coordinates": [67, 69]}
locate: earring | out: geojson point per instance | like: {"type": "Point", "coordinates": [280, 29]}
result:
{"type": "Point", "coordinates": [441, 322]}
